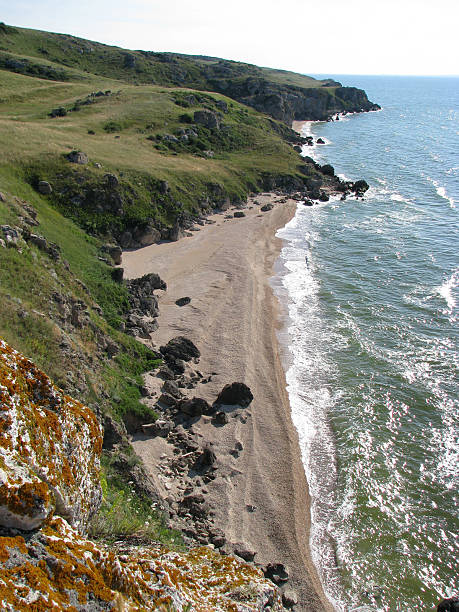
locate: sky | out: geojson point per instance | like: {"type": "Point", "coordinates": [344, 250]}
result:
{"type": "Point", "coordinates": [415, 37]}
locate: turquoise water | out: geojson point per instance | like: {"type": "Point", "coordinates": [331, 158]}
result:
{"type": "Point", "coordinates": [372, 289]}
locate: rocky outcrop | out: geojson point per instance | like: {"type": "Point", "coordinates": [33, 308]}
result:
{"type": "Point", "coordinates": [49, 449]}
{"type": "Point", "coordinates": [49, 489]}
{"type": "Point", "coordinates": [288, 103]}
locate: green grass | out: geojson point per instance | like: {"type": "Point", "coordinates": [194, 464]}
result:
{"type": "Point", "coordinates": [124, 513]}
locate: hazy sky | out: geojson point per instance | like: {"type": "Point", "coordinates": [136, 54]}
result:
{"type": "Point", "coordinates": [308, 36]}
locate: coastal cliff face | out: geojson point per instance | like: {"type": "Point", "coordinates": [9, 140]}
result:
{"type": "Point", "coordinates": [287, 103]}
{"type": "Point", "coordinates": [49, 491]}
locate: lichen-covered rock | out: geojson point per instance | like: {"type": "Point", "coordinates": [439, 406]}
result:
{"type": "Point", "coordinates": [49, 449]}
{"type": "Point", "coordinates": [56, 568]}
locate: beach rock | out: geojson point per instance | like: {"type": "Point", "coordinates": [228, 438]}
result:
{"type": "Point", "coordinates": [207, 118]}
{"type": "Point", "coordinates": [449, 605]}
{"type": "Point", "coordinates": [220, 418]}
{"type": "Point", "coordinates": [183, 301]}
{"type": "Point", "coordinates": [149, 234]}
{"type": "Point", "coordinates": [171, 387]}
{"type": "Point", "coordinates": [239, 214]}
{"type": "Point", "coordinates": [217, 537]}
{"type": "Point", "coordinates": [266, 207]}
{"type": "Point", "coordinates": [180, 348]}
{"type": "Point", "coordinates": [289, 598]}
{"type": "Point", "coordinates": [167, 400]}
{"type": "Point", "coordinates": [78, 157]}
{"type": "Point", "coordinates": [50, 449]}
{"type": "Point", "coordinates": [277, 572]}
{"type": "Point", "coordinates": [308, 203]}
{"type": "Point", "coordinates": [161, 428]}
{"type": "Point", "coordinates": [44, 187]}
{"type": "Point", "coordinates": [195, 406]}
{"type": "Point", "coordinates": [176, 232]}
{"type": "Point", "coordinates": [206, 459]}
{"type": "Point", "coordinates": [235, 394]}
{"type": "Point", "coordinates": [243, 551]}
{"type": "Point", "coordinates": [323, 197]}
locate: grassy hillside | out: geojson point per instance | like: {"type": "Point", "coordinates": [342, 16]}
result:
{"type": "Point", "coordinates": [157, 153]}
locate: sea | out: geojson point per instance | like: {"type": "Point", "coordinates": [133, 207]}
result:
{"type": "Point", "coordinates": [371, 288]}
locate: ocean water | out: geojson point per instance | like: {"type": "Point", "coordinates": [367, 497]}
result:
{"type": "Point", "coordinates": [372, 290]}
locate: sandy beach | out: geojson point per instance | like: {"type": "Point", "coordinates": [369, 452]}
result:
{"type": "Point", "coordinates": [260, 494]}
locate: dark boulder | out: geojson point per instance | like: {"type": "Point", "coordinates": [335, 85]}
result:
{"type": "Point", "coordinates": [242, 550]}
{"type": "Point", "coordinates": [235, 394]}
{"type": "Point", "coordinates": [180, 348]}
{"type": "Point", "coordinates": [328, 170]}
{"type": "Point", "coordinates": [360, 187]}
{"type": "Point", "coordinates": [195, 406]}
{"type": "Point", "coordinates": [117, 275]}
{"type": "Point", "coordinates": [206, 459]}
{"type": "Point", "coordinates": [277, 572]}
{"type": "Point", "coordinates": [220, 418]}
{"type": "Point", "coordinates": [239, 214]}
{"type": "Point", "coordinates": [323, 197]}
{"type": "Point", "coordinates": [320, 141]}
{"type": "Point", "coordinates": [266, 207]}
{"type": "Point", "coordinates": [183, 301]}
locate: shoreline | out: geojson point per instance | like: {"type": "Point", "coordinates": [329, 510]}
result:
{"type": "Point", "coordinates": [260, 496]}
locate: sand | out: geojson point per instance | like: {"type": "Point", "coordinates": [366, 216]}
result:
{"type": "Point", "coordinates": [260, 495]}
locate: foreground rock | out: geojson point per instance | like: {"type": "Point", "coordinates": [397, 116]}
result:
{"type": "Point", "coordinates": [49, 453]}
{"type": "Point", "coordinates": [49, 477]}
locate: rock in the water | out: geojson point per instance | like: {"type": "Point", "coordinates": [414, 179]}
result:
{"type": "Point", "coordinates": [78, 157]}
{"type": "Point", "coordinates": [360, 187]}
{"type": "Point", "coordinates": [235, 394]}
{"type": "Point", "coordinates": [50, 451]}
{"type": "Point", "coordinates": [183, 301]}
{"type": "Point", "coordinates": [180, 348]}
{"type": "Point", "coordinates": [320, 141]}
{"type": "Point", "coordinates": [207, 118]}
{"type": "Point", "coordinates": [44, 187]}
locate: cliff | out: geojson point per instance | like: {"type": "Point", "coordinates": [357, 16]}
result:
{"type": "Point", "coordinates": [49, 491]}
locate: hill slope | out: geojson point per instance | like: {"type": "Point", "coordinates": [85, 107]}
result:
{"type": "Point", "coordinates": [284, 95]}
